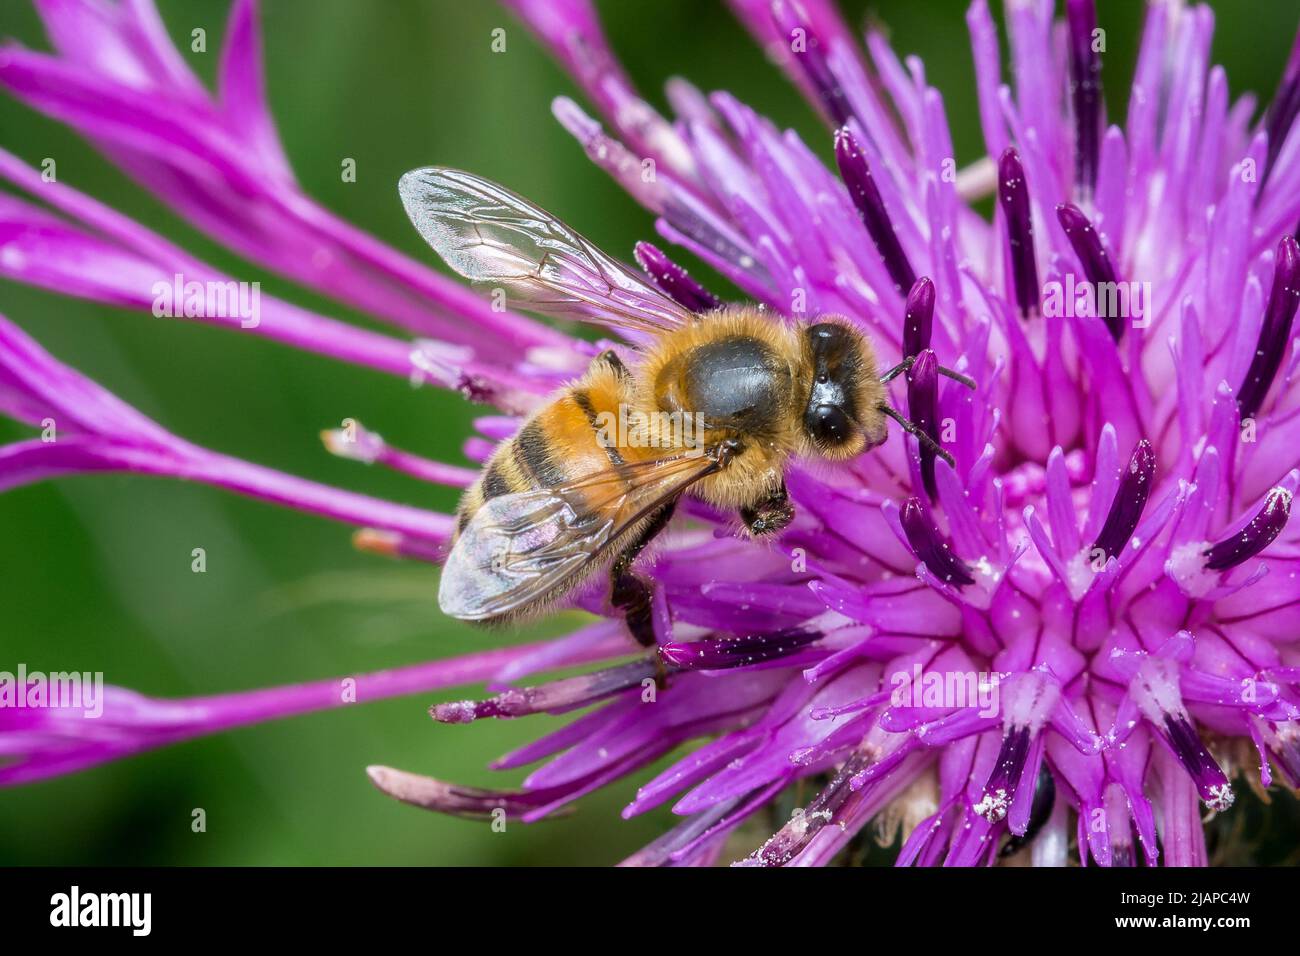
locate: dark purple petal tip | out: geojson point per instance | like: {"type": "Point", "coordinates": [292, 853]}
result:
{"type": "Point", "coordinates": [824, 809]}
{"type": "Point", "coordinates": [918, 317]}
{"type": "Point", "coordinates": [1085, 91]}
{"type": "Point", "coordinates": [856, 173]}
{"type": "Point", "coordinates": [1186, 744]}
{"type": "Point", "coordinates": [1130, 500]}
{"type": "Point", "coordinates": [1072, 218]}
{"type": "Point", "coordinates": [673, 281]}
{"type": "Point", "coordinates": [922, 403]}
{"type": "Point", "coordinates": [553, 698]}
{"type": "Point", "coordinates": [1257, 535]}
{"type": "Point", "coordinates": [810, 53]}
{"type": "Point", "coordinates": [1096, 261]}
{"type": "Point", "coordinates": [1013, 197]}
{"type": "Point", "coordinates": [723, 653]}
{"type": "Point", "coordinates": [930, 547]}
{"type": "Point", "coordinates": [1004, 779]}
{"type": "Point", "coordinates": [1283, 110]}
{"type": "Point", "coordinates": [1275, 331]}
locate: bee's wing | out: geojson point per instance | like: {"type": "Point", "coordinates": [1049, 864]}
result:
{"type": "Point", "coordinates": [523, 546]}
{"type": "Point", "coordinates": [488, 234]}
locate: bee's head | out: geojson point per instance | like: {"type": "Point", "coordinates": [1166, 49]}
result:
{"type": "Point", "coordinates": [841, 417]}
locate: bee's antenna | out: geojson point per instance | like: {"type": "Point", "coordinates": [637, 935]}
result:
{"type": "Point", "coordinates": [912, 428]}
{"type": "Point", "coordinates": [908, 362]}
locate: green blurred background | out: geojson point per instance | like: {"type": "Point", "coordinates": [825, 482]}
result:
{"type": "Point", "coordinates": [95, 572]}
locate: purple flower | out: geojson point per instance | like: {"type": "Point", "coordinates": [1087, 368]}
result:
{"type": "Point", "coordinates": [1086, 620]}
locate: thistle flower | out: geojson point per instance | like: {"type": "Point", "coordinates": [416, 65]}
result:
{"type": "Point", "coordinates": [1083, 622]}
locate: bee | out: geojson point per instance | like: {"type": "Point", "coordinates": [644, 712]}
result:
{"type": "Point", "coordinates": [560, 501]}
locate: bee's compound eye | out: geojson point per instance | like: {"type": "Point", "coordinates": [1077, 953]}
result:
{"type": "Point", "coordinates": [828, 423]}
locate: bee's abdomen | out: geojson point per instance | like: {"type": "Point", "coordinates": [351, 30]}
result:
{"type": "Point", "coordinates": [530, 453]}
{"type": "Point", "coordinates": [559, 443]}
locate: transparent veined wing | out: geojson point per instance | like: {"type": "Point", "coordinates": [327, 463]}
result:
{"type": "Point", "coordinates": [490, 235]}
{"type": "Point", "coordinates": [521, 547]}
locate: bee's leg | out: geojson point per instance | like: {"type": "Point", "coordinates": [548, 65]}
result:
{"type": "Point", "coordinates": [630, 593]}
{"type": "Point", "coordinates": [774, 513]}
{"type": "Point", "coordinates": [917, 432]}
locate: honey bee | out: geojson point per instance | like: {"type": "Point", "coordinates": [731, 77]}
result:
{"type": "Point", "coordinates": [560, 501]}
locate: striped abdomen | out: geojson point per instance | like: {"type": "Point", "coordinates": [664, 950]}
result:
{"type": "Point", "coordinates": [557, 444]}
